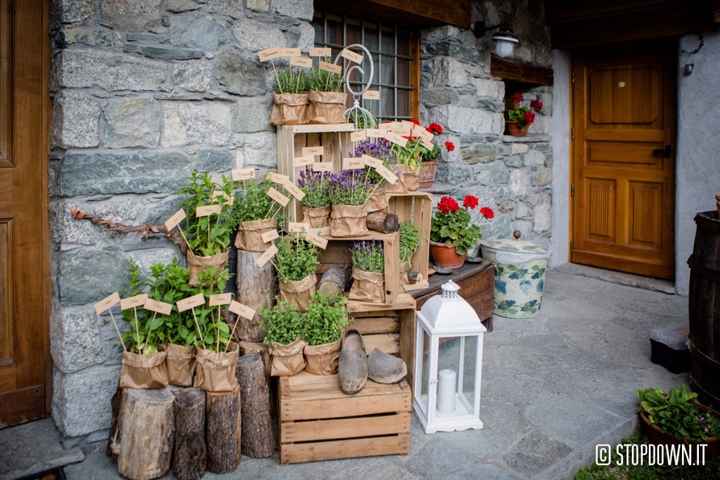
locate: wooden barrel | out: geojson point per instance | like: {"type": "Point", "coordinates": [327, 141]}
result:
{"type": "Point", "coordinates": [704, 301]}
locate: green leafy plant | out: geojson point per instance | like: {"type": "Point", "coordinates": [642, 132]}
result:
{"type": "Point", "coordinates": [208, 235]}
{"type": "Point", "coordinates": [169, 283]}
{"type": "Point", "coordinates": [677, 413]}
{"type": "Point", "coordinates": [324, 81]}
{"type": "Point", "coordinates": [409, 241]}
{"type": "Point", "coordinates": [138, 339]}
{"type": "Point", "coordinates": [252, 202]}
{"type": "Point", "coordinates": [452, 224]}
{"type": "Point", "coordinates": [325, 319]}
{"type": "Point", "coordinates": [283, 323]}
{"type": "Point", "coordinates": [296, 258]}
{"type": "Point", "coordinates": [290, 80]}
{"type": "Point", "coordinates": [368, 256]}
{"type": "Point", "coordinates": [215, 331]}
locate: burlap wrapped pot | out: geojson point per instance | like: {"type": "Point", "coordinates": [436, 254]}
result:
{"type": "Point", "coordinates": [143, 371]}
{"type": "Point", "coordinates": [197, 264]}
{"type": "Point", "coordinates": [409, 178]}
{"type": "Point", "coordinates": [317, 217]}
{"type": "Point", "coordinates": [249, 235]}
{"type": "Point", "coordinates": [378, 201]}
{"type": "Point", "coordinates": [215, 371]}
{"type": "Point", "coordinates": [322, 359]}
{"type": "Point", "coordinates": [327, 107]}
{"type": "Point", "coordinates": [287, 360]}
{"type": "Point", "coordinates": [367, 286]}
{"type": "Point", "coordinates": [348, 220]}
{"type": "Point", "coordinates": [298, 293]}
{"type": "Point", "coordinates": [289, 109]}
{"type": "Point", "coordinates": [180, 364]}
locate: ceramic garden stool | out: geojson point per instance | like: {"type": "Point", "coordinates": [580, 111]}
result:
{"type": "Point", "coordinates": [520, 268]}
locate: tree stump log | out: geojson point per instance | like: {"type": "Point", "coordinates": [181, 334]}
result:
{"type": "Point", "coordinates": [248, 348]}
{"type": "Point", "coordinates": [146, 429]}
{"type": "Point", "coordinates": [257, 428]}
{"type": "Point", "coordinates": [190, 453]}
{"type": "Point", "coordinates": [256, 287]}
{"type": "Point", "coordinates": [223, 433]}
{"type": "Point", "coordinates": [383, 222]}
{"type": "Point", "coordinates": [112, 446]}
{"type": "Point", "coordinates": [334, 280]}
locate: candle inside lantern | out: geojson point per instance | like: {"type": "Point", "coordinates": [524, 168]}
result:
{"type": "Point", "coordinates": [446, 390]}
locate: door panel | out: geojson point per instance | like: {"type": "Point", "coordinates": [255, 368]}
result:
{"type": "Point", "coordinates": [623, 163]}
{"type": "Point", "coordinates": [24, 359]}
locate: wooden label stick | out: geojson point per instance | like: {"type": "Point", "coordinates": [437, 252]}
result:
{"type": "Point", "coordinates": [381, 169]}
{"type": "Point", "coordinates": [220, 299]}
{"type": "Point", "coordinates": [316, 240]}
{"type": "Point", "coordinates": [277, 178]}
{"type": "Point", "coordinates": [294, 190]}
{"type": "Point", "coordinates": [297, 227]}
{"type": "Point", "coordinates": [322, 167]}
{"type": "Point", "coordinates": [303, 161]}
{"type": "Point", "coordinates": [267, 54]}
{"type": "Point", "coordinates": [313, 151]}
{"type": "Point", "coordinates": [242, 174]}
{"type": "Point", "coordinates": [330, 67]}
{"type": "Point", "coordinates": [358, 136]}
{"type": "Point", "coordinates": [266, 256]}
{"type": "Point", "coordinates": [302, 62]}
{"type": "Point", "coordinates": [133, 302]}
{"type": "Point", "coordinates": [395, 138]}
{"type": "Point", "coordinates": [175, 220]}
{"type": "Point", "coordinates": [241, 310]}
{"type": "Point", "coordinates": [269, 236]}
{"type": "Point", "coordinates": [353, 163]}
{"type": "Point", "coordinates": [158, 307]}
{"type": "Point", "coordinates": [107, 303]}
{"type": "Point", "coordinates": [320, 52]}
{"type": "Point", "coordinates": [277, 197]}
{"type": "Point", "coordinates": [190, 302]}
{"type": "Point", "coordinates": [207, 210]}
{"type": "Point", "coordinates": [371, 95]}
{"type": "Point", "coordinates": [352, 56]}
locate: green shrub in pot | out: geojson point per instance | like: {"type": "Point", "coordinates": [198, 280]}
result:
{"type": "Point", "coordinates": [677, 413]}
{"type": "Point", "coordinates": [325, 322]}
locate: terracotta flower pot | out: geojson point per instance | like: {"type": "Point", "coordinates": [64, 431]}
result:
{"type": "Point", "coordinates": [426, 175]}
{"type": "Point", "coordinates": [446, 256]}
{"type": "Point", "coordinates": [659, 437]}
{"type": "Point", "coordinates": [515, 130]}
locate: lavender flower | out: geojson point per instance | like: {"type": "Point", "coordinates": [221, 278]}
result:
{"type": "Point", "coordinates": [316, 187]}
{"type": "Point", "coordinates": [350, 187]}
{"type": "Point", "coordinates": [368, 256]}
{"type": "Point", "coordinates": [375, 147]}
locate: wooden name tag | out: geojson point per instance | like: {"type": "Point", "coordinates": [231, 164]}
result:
{"type": "Point", "coordinates": [353, 163]}
{"type": "Point", "coordinates": [277, 178]}
{"type": "Point", "coordinates": [320, 52]}
{"type": "Point", "coordinates": [175, 220]}
{"type": "Point", "coordinates": [294, 190]}
{"type": "Point", "coordinates": [158, 307]}
{"type": "Point", "coordinates": [190, 302]}
{"type": "Point", "coordinates": [352, 56]}
{"type": "Point", "coordinates": [206, 210]}
{"type": "Point", "coordinates": [358, 136]}
{"type": "Point", "coordinates": [107, 303]}
{"type": "Point", "coordinates": [277, 196]}
{"type": "Point", "coordinates": [303, 161]}
{"type": "Point", "coordinates": [241, 174]}
{"type": "Point", "coordinates": [297, 227]}
{"type": "Point", "coordinates": [220, 299]}
{"type": "Point", "coordinates": [303, 62]}
{"type": "Point", "coordinates": [322, 167]}
{"type": "Point", "coordinates": [241, 310]}
{"type": "Point", "coordinates": [229, 199]}
{"type": "Point", "coordinates": [330, 67]}
{"type": "Point", "coordinates": [316, 240]}
{"type": "Point", "coordinates": [371, 95]}
{"type": "Point", "coordinates": [269, 236]}
{"type": "Point", "coordinates": [395, 138]}
{"type": "Point", "coordinates": [266, 256]}
{"type": "Point", "coordinates": [133, 302]}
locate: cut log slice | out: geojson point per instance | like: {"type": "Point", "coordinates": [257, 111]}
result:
{"type": "Point", "coordinates": [334, 280]}
{"type": "Point", "coordinates": [383, 222]}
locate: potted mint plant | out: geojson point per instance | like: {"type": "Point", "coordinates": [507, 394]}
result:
{"type": "Point", "coordinates": [325, 322]}
{"type": "Point", "coordinates": [255, 214]}
{"type": "Point", "coordinates": [296, 262]}
{"type": "Point", "coordinates": [284, 327]}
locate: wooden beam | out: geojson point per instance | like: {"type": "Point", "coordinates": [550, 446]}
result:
{"type": "Point", "coordinates": [421, 13]}
{"type": "Point", "coordinates": [521, 72]}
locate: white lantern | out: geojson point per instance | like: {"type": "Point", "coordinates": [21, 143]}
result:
{"type": "Point", "coordinates": [505, 43]}
{"type": "Point", "coordinates": [448, 363]}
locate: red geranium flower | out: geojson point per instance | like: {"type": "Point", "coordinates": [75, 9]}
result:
{"type": "Point", "coordinates": [450, 146]}
{"type": "Point", "coordinates": [435, 128]}
{"type": "Point", "coordinates": [487, 212]}
{"type": "Point", "coordinates": [415, 121]}
{"type": "Point", "coordinates": [537, 105]}
{"type": "Point", "coordinates": [529, 118]}
{"type": "Point", "coordinates": [517, 98]}
{"type": "Point", "coordinates": [470, 201]}
{"type": "Point", "coordinates": [448, 205]}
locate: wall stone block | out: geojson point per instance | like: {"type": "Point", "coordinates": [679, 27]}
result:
{"type": "Point", "coordinates": [76, 119]}
{"type": "Point", "coordinates": [132, 122]}
{"type": "Point", "coordinates": [197, 31]}
{"type": "Point", "coordinates": [300, 9]}
{"type": "Point", "coordinates": [89, 274]}
{"type": "Point", "coordinates": [252, 114]}
{"type": "Point", "coordinates": [240, 75]}
{"type": "Point", "coordinates": [201, 123]}
{"type": "Point", "coordinates": [130, 15]}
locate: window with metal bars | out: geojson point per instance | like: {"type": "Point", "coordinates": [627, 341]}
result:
{"type": "Point", "coordinates": [395, 52]}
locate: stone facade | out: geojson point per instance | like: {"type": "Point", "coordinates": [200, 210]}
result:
{"type": "Point", "coordinates": [145, 91]}
{"type": "Point", "coordinates": [513, 175]}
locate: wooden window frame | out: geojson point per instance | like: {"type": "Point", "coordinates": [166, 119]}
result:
{"type": "Point", "coordinates": [413, 86]}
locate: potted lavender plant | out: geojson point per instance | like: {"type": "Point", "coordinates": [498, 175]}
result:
{"type": "Point", "coordinates": [316, 203]}
{"type": "Point", "coordinates": [380, 149]}
{"type": "Point", "coordinates": [349, 193]}
{"type": "Point", "coordinates": [368, 272]}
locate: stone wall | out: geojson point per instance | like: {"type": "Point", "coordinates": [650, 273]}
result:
{"type": "Point", "coordinates": [511, 174]}
{"type": "Point", "coordinates": [144, 92]}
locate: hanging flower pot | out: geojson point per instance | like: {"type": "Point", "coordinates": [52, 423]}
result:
{"type": "Point", "coordinates": [216, 370]}
{"type": "Point", "coordinates": [317, 217]}
{"type": "Point", "coordinates": [446, 256]}
{"type": "Point", "coordinates": [298, 293]}
{"type": "Point", "coordinates": [249, 235]}
{"type": "Point", "coordinates": [197, 264]}
{"type": "Point", "coordinates": [180, 364]}
{"type": "Point", "coordinates": [327, 107]}
{"type": "Point", "coordinates": [289, 109]}
{"type": "Point", "coordinates": [348, 220]}
{"type": "Point", "coordinates": [144, 371]}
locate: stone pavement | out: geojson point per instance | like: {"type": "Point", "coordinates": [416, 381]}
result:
{"type": "Point", "coordinates": [553, 387]}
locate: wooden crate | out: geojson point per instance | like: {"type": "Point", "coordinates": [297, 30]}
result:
{"type": "Point", "coordinates": [415, 207]}
{"type": "Point", "coordinates": [320, 422]}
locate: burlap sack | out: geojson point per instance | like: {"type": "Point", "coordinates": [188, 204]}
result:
{"type": "Point", "coordinates": [317, 217]}
{"type": "Point", "coordinates": [249, 235]}
{"type": "Point", "coordinates": [197, 264]}
{"type": "Point", "coordinates": [143, 371]}
{"type": "Point", "coordinates": [180, 364]}
{"type": "Point", "coordinates": [348, 220]}
{"type": "Point", "coordinates": [298, 293]}
{"type": "Point", "coordinates": [322, 359]}
{"type": "Point", "coordinates": [378, 201]}
{"type": "Point", "coordinates": [327, 107]}
{"type": "Point", "coordinates": [247, 348]}
{"type": "Point", "coordinates": [408, 177]}
{"type": "Point", "coordinates": [289, 109]}
{"type": "Point", "coordinates": [367, 286]}
{"type": "Point", "coordinates": [287, 360]}
{"type": "Point", "coordinates": [215, 371]}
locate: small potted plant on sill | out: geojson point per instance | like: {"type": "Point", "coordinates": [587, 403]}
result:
{"type": "Point", "coordinates": [143, 364]}
{"type": "Point", "coordinates": [207, 236]}
{"type": "Point", "coordinates": [519, 117]}
{"type": "Point", "coordinates": [316, 203]}
{"type": "Point", "coordinates": [284, 326]}
{"type": "Point", "coordinates": [255, 214]}
{"type": "Point", "coordinates": [327, 97]}
{"type": "Point", "coordinates": [216, 354]}
{"type": "Point", "coordinates": [290, 97]}
{"type": "Point", "coordinates": [409, 243]}
{"type": "Point", "coordinates": [675, 417]}
{"type": "Point", "coordinates": [296, 262]}
{"type": "Point", "coordinates": [349, 193]}
{"type": "Point", "coordinates": [368, 272]}
{"type": "Point", "coordinates": [324, 324]}
{"type": "Point", "coordinates": [452, 233]}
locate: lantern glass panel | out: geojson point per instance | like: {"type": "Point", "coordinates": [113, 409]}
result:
{"type": "Point", "coordinates": [466, 387]}
{"type": "Point", "coordinates": [449, 371]}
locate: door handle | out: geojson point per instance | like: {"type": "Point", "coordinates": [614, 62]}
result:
{"type": "Point", "coordinates": [665, 151]}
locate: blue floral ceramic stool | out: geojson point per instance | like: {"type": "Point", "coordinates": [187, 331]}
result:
{"type": "Point", "coordinates": [519, 276]}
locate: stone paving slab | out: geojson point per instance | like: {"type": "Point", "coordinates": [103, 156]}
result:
{"type": "Point", "coordinates": [553, 387]}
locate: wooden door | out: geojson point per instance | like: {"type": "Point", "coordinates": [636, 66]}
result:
{"type": "Point", "coordinates": [623, 160]}
{"type": "Point", "coordinates": [23, 211]}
